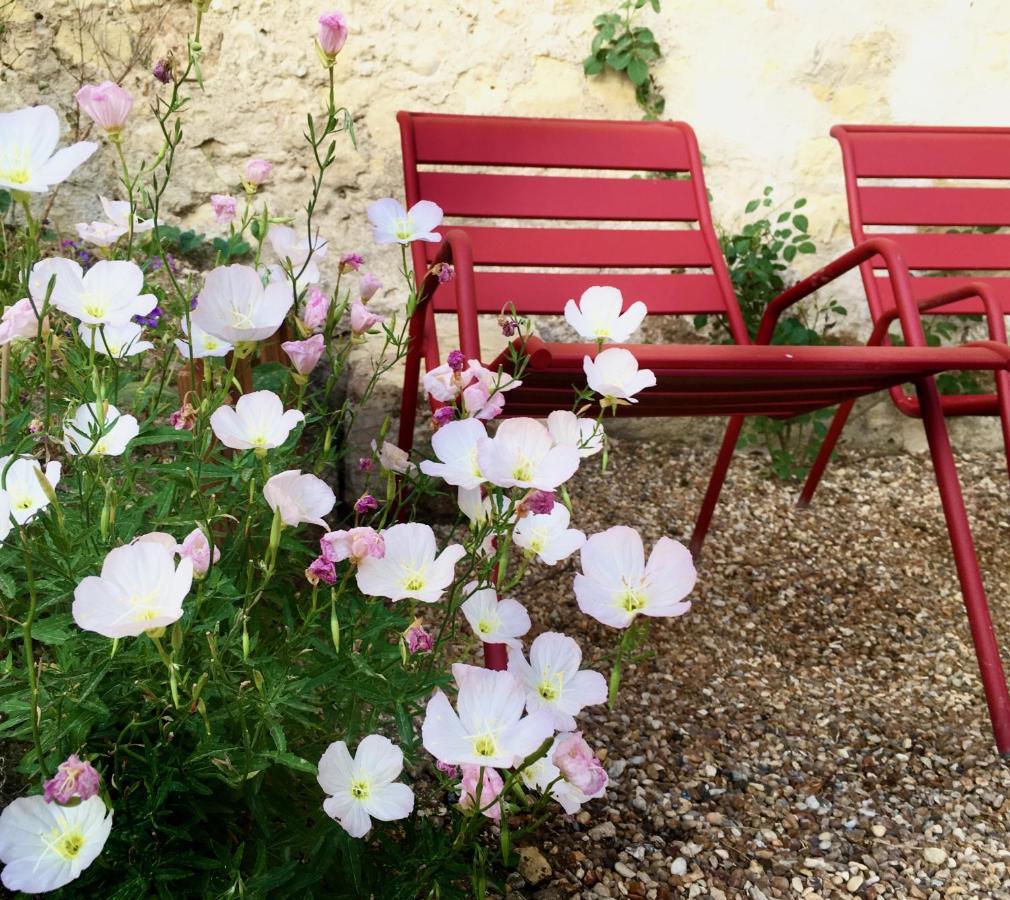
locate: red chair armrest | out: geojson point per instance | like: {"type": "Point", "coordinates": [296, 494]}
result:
{"type": "Point", "coordinates": [993, 310]}
{"type": "Point", "coordinates": [456, 251]}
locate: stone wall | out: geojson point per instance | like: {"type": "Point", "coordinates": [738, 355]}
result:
{"type": "Point", "coordinates": [761, 81]}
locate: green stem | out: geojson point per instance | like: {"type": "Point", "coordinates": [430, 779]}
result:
{"type": "Point", "coordinates": [33, 682]}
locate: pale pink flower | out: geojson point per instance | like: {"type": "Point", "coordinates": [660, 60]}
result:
{"type": "Point", "coordinates": [161, 538]}
{"type": "Point", "coordinates": [597, 316]}
{"type": "Point", "coordinates": [411, 566]}
{"type": "Point", "coordinates": [495, 621]}
{"type": "Point", "coordinates": [351, 262]}
{"type": "Point", "coordinates": [74, 779]}
{"type": "Point", "coordinates": [197, 548]}
{"type": "Point", "coordinates": [317, 307]}
{"type": "Point", "coordinates": [255, 173]}
{"type": "Point", "coordinates": [568, 430]}
{"type": "Point", "coordinates": [300, 498]}
{"type": "Point", "coordinates": [362, 318]}
{"type": "Point", "coordinates": [616, 585]}
{"type": "Point", "coordinates": [393, 458]}
{"type": "Point", "coordinates": [109, 293]}
{"type": "Point", "coordinates": [553, 680]}
{"type": "Point", "coordinates": [368, 286]}
{"type": "Point", "coordinates": [392, 224]}
{"type": "Point", "coordinates": [23, 489]}
{"type": "Point", "coordinates": [203, 344]}
{"type": "Point", "coordinates": [101, 234]}
{"type": "Point", "coordinates": [302, 254]}
{"type": "Point", "coordinates": [98, 431]}
{"type": "Point", "coordinates": [487, 797]}
{"type": "Point", "coordinates": [332, 32]}
{"type": "Point", "coordinates": [522, 454]}
{"type": "Point", "coordinates": [107, 104]}
{"type": "Point", "coordinates": [547, 536]}
{"type": "Point", "coordinates": [304, 355]}
{"type": "Point", "coordinates": [235, 306]}
{"type": "Point", "coordinates": [364, 787]}
{"type": "Point", "coordinates": [455, 446]}
{"type": "Point", "coordinates": [578, 764]}
{"type": "Point", "coordinates": [543, 775]}
{"type": "Point", "coordinates": [258, 421]}
{"type": "Point", "coordinates": [442, 383]}
{"type": "Point", "coordinates": [354, 544]}
{"type": "Point", "coordinates": [615, 375]}
{"type": "Point", "coordinates": [224, 208]}
{"type": "Point", "coordinates": [484, 394]}
{"type": "Point", "coordinates": [419, 640]}
{"type": "Point", "coordinates": [487, 728]}
{"type": "Point", "coordinates": [321, 569]}
{"type": "Point", "coordinates": [19, 321]}
{"type": "Point", "coordinates": [29, 160]}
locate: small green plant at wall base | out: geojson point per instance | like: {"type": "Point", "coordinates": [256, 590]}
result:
{"type": "Point", "coordinates": [628, 49]}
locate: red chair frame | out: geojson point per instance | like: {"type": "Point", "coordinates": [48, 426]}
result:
{"type": "Point", "coordinates": [748, 378]}
{"type": "Point", "coordinates": [916, 152]}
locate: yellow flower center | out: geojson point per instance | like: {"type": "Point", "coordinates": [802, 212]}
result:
{"type": "Point", "coordinates": [551, 685]}
{"type": "Point", "coordinates": [632, 600]}
{"type": "Point", "coordinates": [523, 470]}
{"type": "Point", "coordinates": [68, 844]}
{"type": "Point", "coordinates": [488, 624]}
{"type": "Point", "coordinates": [413, 582]}
{"type": "Point", "coordinates": [14, 166]}
{"type": "Point", "coordinates": [484, 745]}
{"type": "Point", "coordinates": [210, 343]}
{"type": "Point", "coordinates": [360, 789]}
{"type": "Point", "coordinates": [538, 540]}
{"type": "Point", "coordinates": [404, 229]}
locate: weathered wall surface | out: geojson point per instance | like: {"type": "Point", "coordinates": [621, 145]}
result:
{"type": "Point", "coordinates": [762, 81]}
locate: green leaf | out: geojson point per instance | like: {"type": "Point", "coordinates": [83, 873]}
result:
{"type": "Point", "coordinates": [53, 629]}
{"type": "Point", "coordinates": [753, 205]}
{"type": "Point", "coordinates": [270, 377]}
{"type": "Point", "coordinates": [291, 761]}
{"type": "Point", "coordinates": [801, 223]}
{"type": "Point", "coordinates": [789, 253]}
{"type": "Point", "coordinates": [7, 587]}
{"type": "Point", "coordinates": [799, 204]}
{"type": "Point", "coordinates": [807, 247]}
{"type": "Point", "coordinates": [592, 65]}
{"type": "Point", "coordinates": [5, 202]}
{"type": "Point", "coordinates": [167, 435]}
{"type": "Point", "coordinates": [638, 71]}
{"type": "Point", "coordinates": [618, 61]}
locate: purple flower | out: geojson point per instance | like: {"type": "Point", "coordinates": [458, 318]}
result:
{"type": "Point", "coordinates": [365, 503]}
{"type": "Point", "coordinates": [446, 273]}
{"type": "Point", "coordinates": [444, 415]}
{"type": "Point", "coordinates": [456, 360]}
{"type": "Point", "coordinates": [365, 464]}
{"type": "Point", "coordinates": [321, 570]}
{"type": "Point", "coordinates": [351, 262]}
{"type": "Point", "coordinates": [75, 778]}
{"type": "Point", "coordinates": [509, 327]}
{"type": "Point", "coordinates": [151, 319]}
{"type": "Point", "coordinates": [539, 503]}
{"type": "Point", "coordinates": [418, 640]}
{"type": "Point", "coordinates": [162, 71]}
{"type": "Point", "coordinates": [448, 769]}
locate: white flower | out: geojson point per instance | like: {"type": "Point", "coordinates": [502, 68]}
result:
{"type": "Point", "coordinates": [553, 681]}
{"type": "Point", "coordinates": [543, 773]}
{"type": "Point", "coordinates": [5, 516]}
{"type": "Point", "coordinates": [455, 445]}
{"type": "Point", "coordinates": [597, 316]}
{"type": "Point", "coordinates": [19, 322]}
{"type": "Point", "coordinates": [393, 458]}
{"type": "Point", "coordinates": [392, 224]}
{"type": "Point", "coordinates": [410, 567]}
{"type": "Point", "coordinates": [257, 422]}
{"type": "Point", "coordinates": [616, 584]}
{"type": "Point", "coordinates": [487, 728]}
{"type": "Point", "coordinates": [522, 454]}
{"type": "Point", "coordinates": [443, 383]}
{"type": "Point", "coordinates": [495, 621]}
{"type": "Point", "coordinates": [119, 341]}
{"type": "Point", "coordinates": [28, 138]}
{"type": "Point", "coordinates": [140, 589]}
{"type": "Point", "coordinates": [473, 504]}
{"type": "Point", "coordinates": [86, 435]}
{"type": "Point", "coordinates": [365, 786]}
{"type": "Point", "coordinates": [44, 845]}
{"type": "Point", "coordinates": [297, 251]}
{"type": "Point", "coordinates": [568, 430]}
{"type": "Point", "coordinates": [615, 375]}
{"type": "Point", "coordinates": [234, 306]}
{"type": "Point", "coordinates": [548, 536]}
{"type": "Point", "coordinates": [103, 234]}
{"type": "Point", "coordinates": [204, 344]}
{"type": "Point", "coordinates": [109, 293]}
{"type": "Point", "coordinates": [300, 498]}
{"type": "Point", "coordinates": [21, 481]}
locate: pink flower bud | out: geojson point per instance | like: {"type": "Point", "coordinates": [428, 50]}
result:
{"type": "Point", "coordinates": [197, 548]}
{"type": "Point", "coordinates": [354, 544]}
{"type": "Point", "coordinates": [351, 262]}
{"type": "Point", "coordinates": [255, 173]}
{"type": "Point", "coordinates": [224, 208]}
{"type": "Point", "coordinates": [367, 287]}
{"type": "Point", "coordinates": [107, 104]}
{"type": "Point", "coordinates": [456, 360]}
{"type": "Point", "coordinates": [317, 307]}
{"type": "Point", "coordinates": [538, 503]}
{"type": "Point", "coordinates": [19, 321]}
{"type": "Point", "coordinates": [362, 319]}
{"type": "Point", "coordinates": [74, 778]}
{"type": "Point", "coordinates": [418, 640]}
{"type": "Point", "coordinates": [491, 787]}
{"type": "Point", "coordinates": [321, 570]}
{"type": "Point", "coordinates": [447, 769]}
{"type": "Point", "coordinates": [332, 32]}
{"type": "Point", "coordinates": [365, 503]}
{"type": "Point", "coordinates": [305, 355]}
{"type": "Point", "coordinates": [444, 415]}
{"type": "Point", "coordinates": [365, 464]}
{"type": "Point", "coordinates": [579, 765]}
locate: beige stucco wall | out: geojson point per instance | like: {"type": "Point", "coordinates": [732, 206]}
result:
{"type": "Point", "coordinates": [761, 81]}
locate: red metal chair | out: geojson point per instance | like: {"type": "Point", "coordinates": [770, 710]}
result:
{"type": "Point", "coordinates": [445, 160]}
{"type": "Point", "coordinates": [905, 153]}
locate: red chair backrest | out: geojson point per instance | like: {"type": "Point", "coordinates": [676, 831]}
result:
{"type": "Point", "coordinates": [510, 260]}
{"type": "Point", "coordinates": [927, 154]}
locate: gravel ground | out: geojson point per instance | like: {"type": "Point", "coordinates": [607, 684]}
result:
{"type": "Point", "coordinates": [815, 726]}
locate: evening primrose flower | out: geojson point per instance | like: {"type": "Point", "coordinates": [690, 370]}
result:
{"type": "Point", "coordinates": [615, 375]}
{"type": "Point", "coordinates": [543, 775]}
{"type": "Point", "coordinates": [140, 589]}
{"type": "Point", "coordinates": [297, 252]}
{"type": "Point", "coordinates": [300, 498]}
{"type": "Point", "coordinates": [481, 793]}
{"type": "Point", "coordinates": [411, 566]}
{"type": "Point", "coordinates": [204, 344]}
{"type": "Point", "coordinates": [487, 728]}
{"type": "Point", "coordinates": [364, 787]}
{"type": "Point", "coordinates": [455, 446]}
{"type": "Point", "coordinates": [553, 680]}
{"type": "Point", "coordinates": [117, 341]}
{"type": "Point", "coordinates": [568, 430]}
{"type": "Point", "coordinates": [235, 306]}
{"type": "Point", "coordinates": [392, 224]}
{"type": "Point", "coordinates": [107, 105]}
{"type": "Point", "coordinates": [109, 293]}
{"type": "Point", "coordinates": [495, 621]}
{"type": "Point", "coordinates": [578, 764]}
{"type": "Point", "coordinates": [332, 34]}
{"type": "Point", "coordinates": [19, 322]}
{"type": "Point", "coordinates": [29, 160]}
{"type": "Point", "coordinates": [548, 535]}
{"type": "Point", "coordinates": [393, 458]}
{"type": "Point", "coordinates": [363, 319]}
{"type": "Point", "coordinates": [103, 234]}
{"type": "Point", "coordinates": [88, 434]}
{"type": "Point", "coordinates": [258, 422]}
{"type": "Point", "coordinates": [44, 846]}
{"type": "Point", "coordinates": [305, 355]}
{"type": "Point", "coordinates": [196, 548]}
{"type": "Point", "coordinates": [597, 316]}
{"type": "Point", "coordinates": [523, 454]}
{"type": "Point", "coordinates": [21, 482]}
{"type": "Point", "coordinates": [616, 584]}
{"type": "Point", "coordinates": [74, 779]}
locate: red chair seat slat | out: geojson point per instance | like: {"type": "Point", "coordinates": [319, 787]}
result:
{"type": "Point", "coordinates": [560, 197]}
{"type": "Point", "coordinates": [569, 143]}
{"type": "Point", "coordinates": [537, 293]}
{"type": "Point", "coordinates": [934, 206]}
{"type": "Point", "coordinates": [952, 251]}
{"type": "Point", "coordinates": [928, 152]}
{"type": "Point", "coordinates": [638, 248]}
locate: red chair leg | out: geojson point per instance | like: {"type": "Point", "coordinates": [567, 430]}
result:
{"type": "Point", "coordinates": [824, 454]}
{"type": "Point", "coordinates": [972, 589]}
{"type": "Point", "coordinates": [1003, 396]}
{"type": "Point", "coordinates": [715, 484]}
{"type": "Point", "coordinates": [411, 381]}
